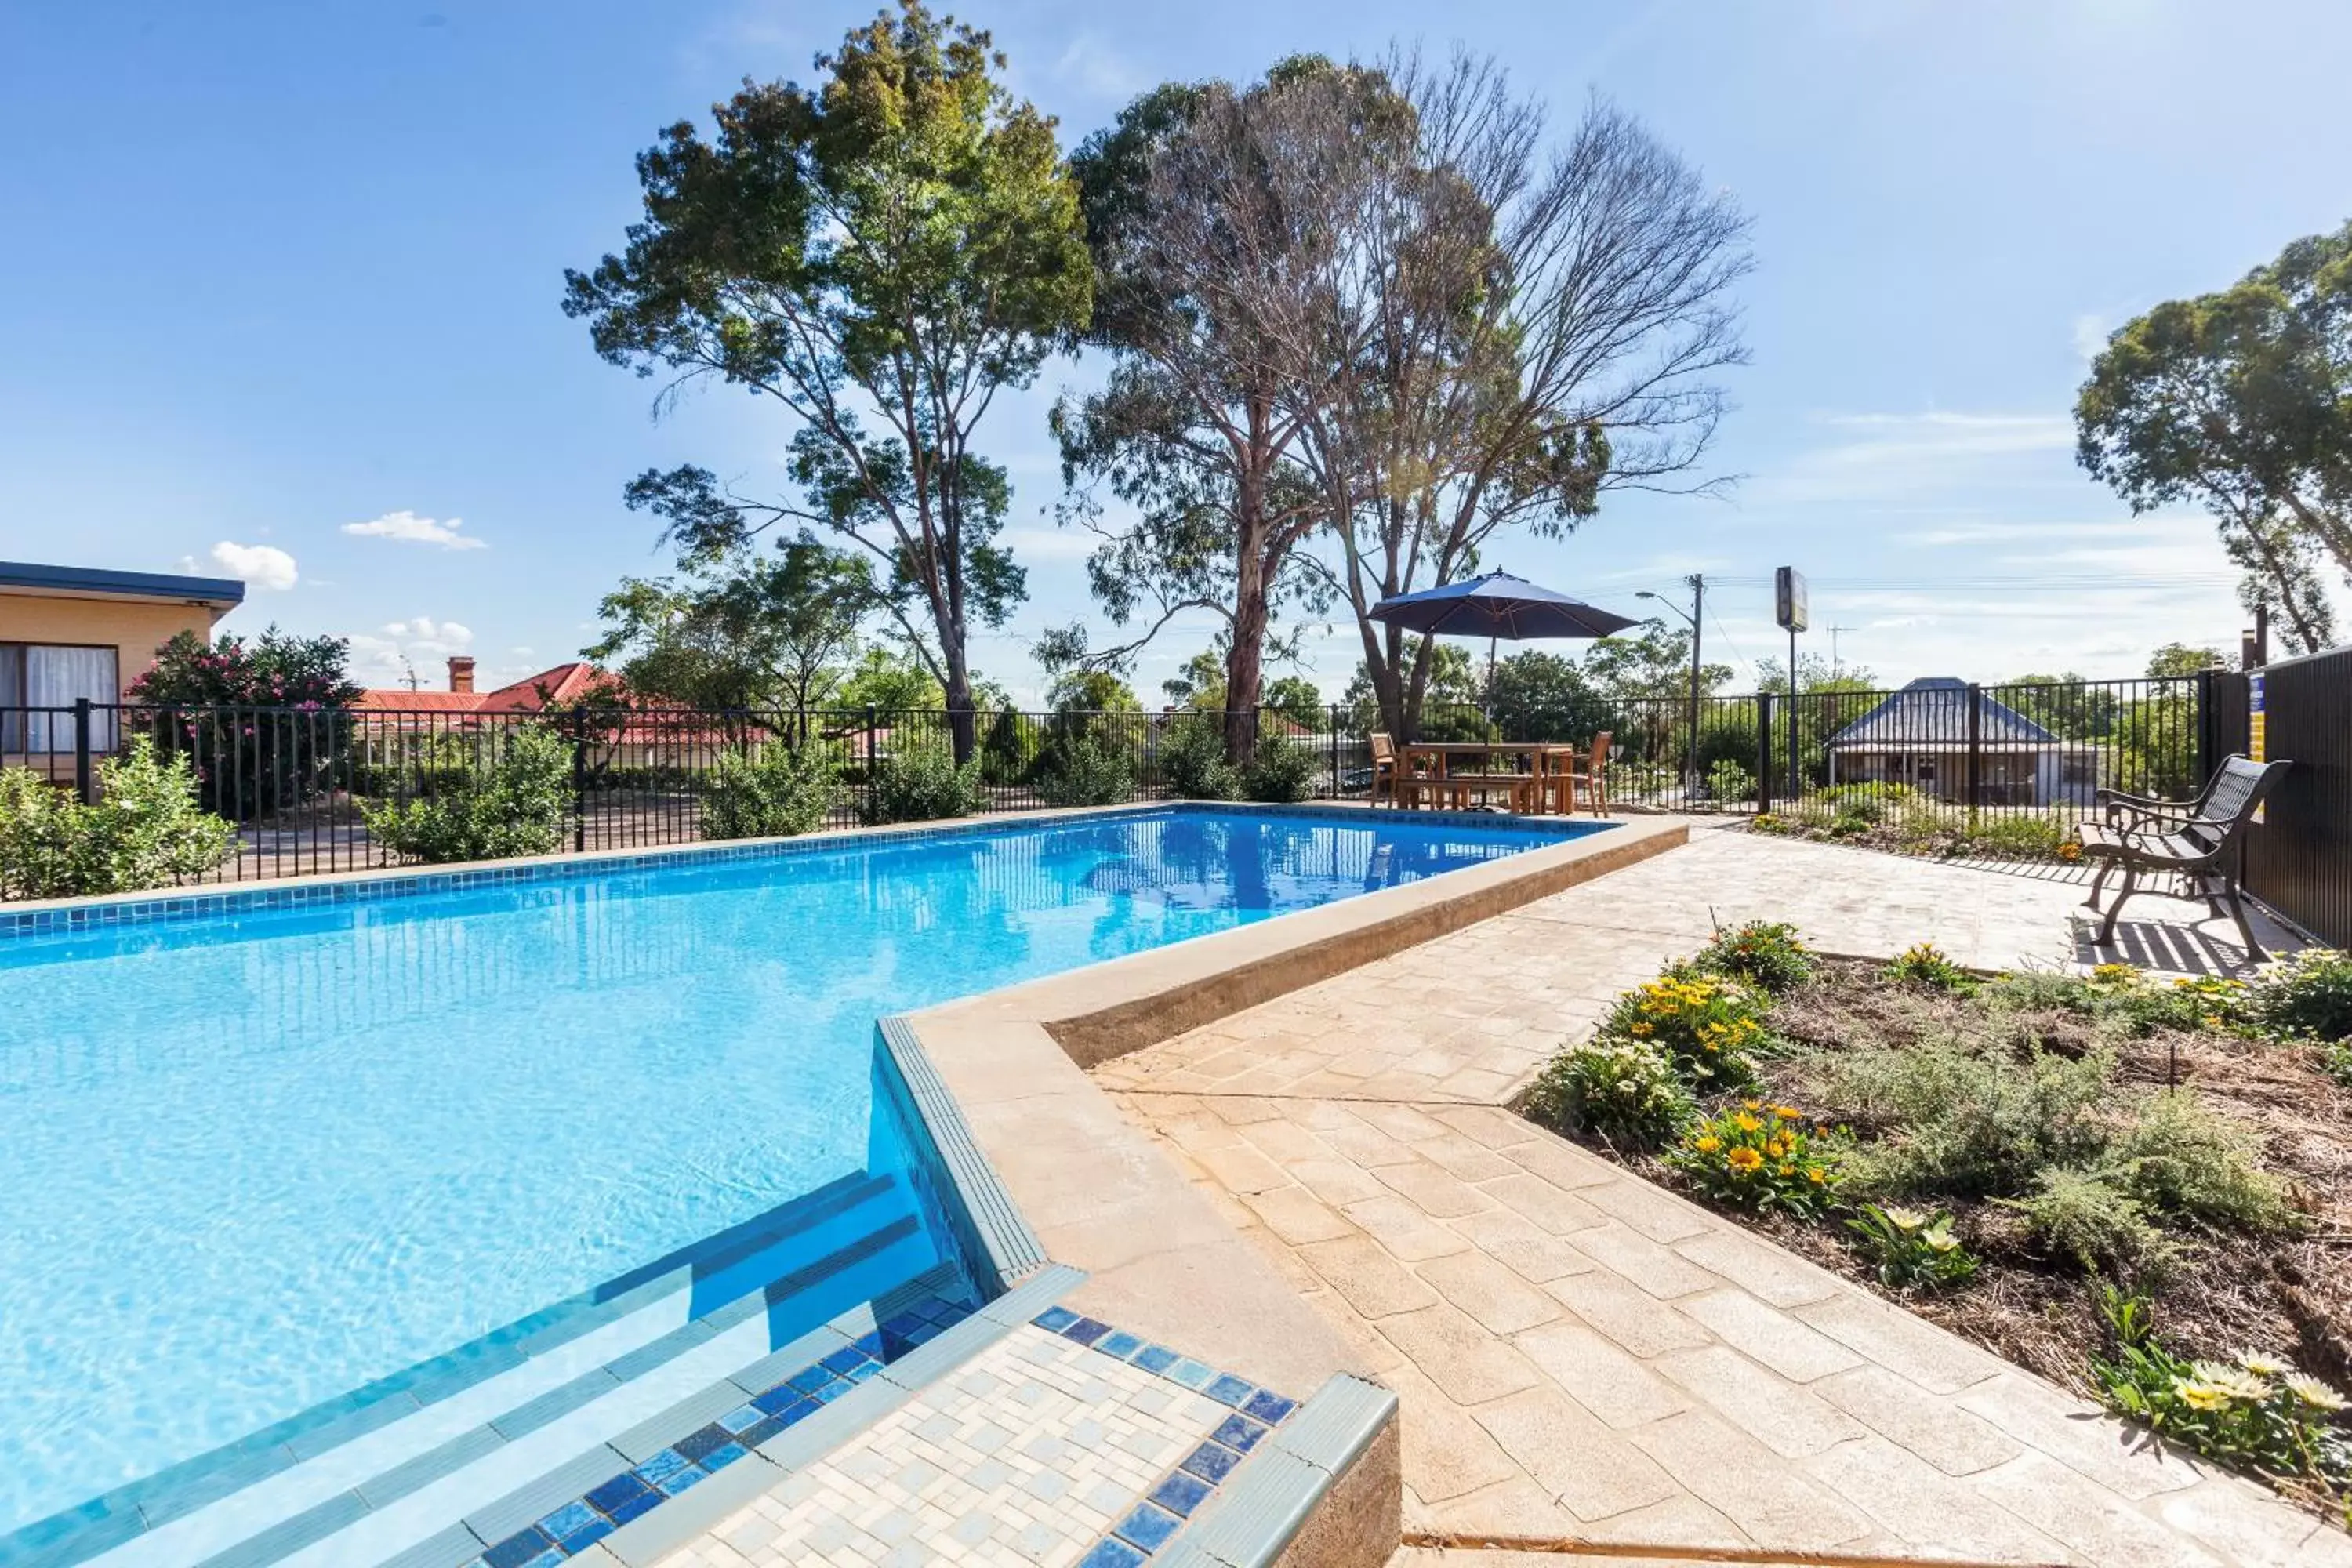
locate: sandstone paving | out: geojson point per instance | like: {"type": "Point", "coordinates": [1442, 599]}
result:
{"type": "Point", "coordinates": [1585, 1357]}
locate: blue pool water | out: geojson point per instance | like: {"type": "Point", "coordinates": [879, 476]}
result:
{"type": "Point", "coordinates": [253, 1162]}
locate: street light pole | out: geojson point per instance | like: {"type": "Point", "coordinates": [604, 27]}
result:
{"type": "Point", "coordinates": [1696, 617]}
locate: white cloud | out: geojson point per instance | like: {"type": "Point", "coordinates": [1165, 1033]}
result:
{"type": "Point", "coordinates": [1092, 66]}
{"type": "Point", "coordinates": [410, 529]}
{"type": "Point", "coordinates": [263, 566]}
{"type": "Point", "coordinates": [2090, 331]}
{"type": "Point", "coordinates": [1911, 459]}
{"type": "Point", "coordinates": [421, 644]}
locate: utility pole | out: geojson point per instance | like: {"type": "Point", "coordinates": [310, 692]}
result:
{"type": "Point", "coordinates": [1836, 669]}
{"type": "Point", "coordinates": [1697, 582]}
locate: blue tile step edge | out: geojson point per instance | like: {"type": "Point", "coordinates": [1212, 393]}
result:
{"type": "Point", "coordinates": [113, 1518]}
{"type": "Point", "coordinates": [74, 916]}
{"type": "Point", "coordinates": [996, 1242]}
{"type": "Point", "coordinates": [1252, 1519]}
{"type": "Point", "coordinates": [394, 1515]}
{"type": "Point", "coordinates": [647, 1537]}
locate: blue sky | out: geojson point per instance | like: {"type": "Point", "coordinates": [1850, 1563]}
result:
{"type": "Point", "coordinates": [279, 295]}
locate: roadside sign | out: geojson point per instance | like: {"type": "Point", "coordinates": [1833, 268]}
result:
{"type": "Point", "coordinates": [2257, 727]}
{"type": "Point", "coordinates": [1788, 599]}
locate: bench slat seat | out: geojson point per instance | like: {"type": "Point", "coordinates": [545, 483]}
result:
{"type": "Point", "coordinates": [2203, 838]}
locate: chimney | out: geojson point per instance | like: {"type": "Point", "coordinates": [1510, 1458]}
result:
{"type": "Point", "coordinates": [461, 672]}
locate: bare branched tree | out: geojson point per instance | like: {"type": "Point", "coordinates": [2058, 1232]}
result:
{"type": "Point", "coordinates": [1503, 336]}
{"type": "Point", "coordinates": [1215, 218]}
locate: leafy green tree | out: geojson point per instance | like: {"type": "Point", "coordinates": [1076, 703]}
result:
{"type": "Point", "coordinates": [889, 682]}
{"type": "Point", "coordinates": [747, 630]}
{"type": "Point", "coordinates": [1092, 692]}
{"type": "Point", "coordinates": [2070, 705]}
{"type": "Point", "coordinates": [1539, 696]}
{"type": "Point", "coordinates": [2241, 401]}
{"type": "Point", "coordinates": [145, 830]}
{"type": "Point", "coordinates": [1653, 664]}
{"type": "Point", "coordinates": [1451, 709]}
{"type": "Point", "coordinates": [882, 255]}
{"type": "Point", "coordinates": [1297, 699]}
{"type": "Point", "coordinates": [2175, 658]}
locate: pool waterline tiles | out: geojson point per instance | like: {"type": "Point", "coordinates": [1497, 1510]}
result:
{"type": "Point", "coordinates": [600, 913]}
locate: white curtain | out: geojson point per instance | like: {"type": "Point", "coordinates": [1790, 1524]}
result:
{"type": "Point", "coordinates": [56, 678]}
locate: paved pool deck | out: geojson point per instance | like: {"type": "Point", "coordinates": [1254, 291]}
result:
{"type": "Point", "coordinates": [1583, 1356]}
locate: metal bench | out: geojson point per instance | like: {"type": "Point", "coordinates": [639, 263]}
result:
{"type": "Point", "coordinates": [2202, 840]}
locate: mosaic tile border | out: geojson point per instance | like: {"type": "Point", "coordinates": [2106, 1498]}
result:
{"type": "Point", "coordinates": [1195, 1478]}
{"type": "Point", "coordinates": [630, 1492]}
{"type": "Point", "coordinates": [383, 886]}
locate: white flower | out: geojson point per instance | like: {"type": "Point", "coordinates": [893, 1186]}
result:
{"type": "Point", "coordinates": [2262, 1366]}
{"type": "Point", "coordinates": [2316, 1393]}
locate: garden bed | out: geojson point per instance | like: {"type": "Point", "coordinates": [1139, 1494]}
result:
{"type": "Point", "coordinates": [2105, 1179]}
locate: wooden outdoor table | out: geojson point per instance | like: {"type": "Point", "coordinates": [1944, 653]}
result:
{"type": "Point", "coordinates": [1445, 780]}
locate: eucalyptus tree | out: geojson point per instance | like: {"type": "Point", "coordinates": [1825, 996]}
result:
{"type": "Point", "coordinates": [1517, 331]}
{"type": "Point", "coordinates": [880, 254]}
{"type": "Point", "coordinates": [1213, 213]}
{"type": "Point", "coordinates": [2242, 401]}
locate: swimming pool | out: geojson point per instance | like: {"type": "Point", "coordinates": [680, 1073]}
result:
{"type": "Point", "coordinates": [256, 1160]}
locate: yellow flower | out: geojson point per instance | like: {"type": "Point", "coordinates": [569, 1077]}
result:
{"type": "Point", "coordinates": [1787, 1112]}
{"type": "Point", "coordinates": [1744, 1160]}
{"type": "Point", "coordinates": [1747, 1123]}
{"type": "Point", "coordinates": [1753, 1104]}
{"type": "Point", "coordinates": [1707, 1146]}
{"type": "Point", "coordinates": [1816, 1175]}
{"type": "Point", "coordinates": [2200, 1396]}
{"type": "Point", "coordinates": [1645, 1030]}
{"type": "Point", "coordinates": [1788, 1170]}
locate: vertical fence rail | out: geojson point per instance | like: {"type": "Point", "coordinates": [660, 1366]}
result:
{"type": "Point", "coordinates": [2023, 759]}
{"type": "Point", "coordinates": [2299, 856]}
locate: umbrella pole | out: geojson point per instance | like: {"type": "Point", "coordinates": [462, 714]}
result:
{"type": "Point", "coordinates": [1490, 679]}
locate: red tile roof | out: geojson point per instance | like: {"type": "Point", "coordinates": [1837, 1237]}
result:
{"type": "Point", "coordinates": [557, 688]}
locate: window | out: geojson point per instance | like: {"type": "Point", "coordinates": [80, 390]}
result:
{"type": "Point", "coordinates": [36, 679]}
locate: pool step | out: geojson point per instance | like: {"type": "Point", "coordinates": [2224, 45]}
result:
{"type": "Point", "coordinates": [415, 1452]}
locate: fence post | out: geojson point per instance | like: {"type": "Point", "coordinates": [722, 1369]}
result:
{"type": "Point", "coordinates": [2207, 751]}
{"type": "Point", "coordinates": [872, 718]}
{"type": "Point", "coordinates": [85, 787]}
{"type": "Point", "coordinates": [1975, 740]}
{"type": "Point", "coordinates": [579, 780]}
{"type": "Point", "coordinates": [1763, 752]}
{"type": "Point", "coordinates": [1332, 732]}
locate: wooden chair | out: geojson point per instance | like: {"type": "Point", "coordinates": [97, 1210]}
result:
{"type": "Point", "coordinates": [1384, 768]}
{"type": "Point", "coordinates": [1593, 779]}
{"type": "Point", "coordinates": [2202, 839]}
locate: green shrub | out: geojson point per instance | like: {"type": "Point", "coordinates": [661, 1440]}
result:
{"type": "Point", "coordinates": [1192, 761]}
{"type": "Point", "coordinates": [1910, 1247]}
{"type": "Point", "coordinates": [1965, 1124]}
{"type": "Point", "coordinates": [2257, 1412]}
{"type": "Point", "coordinates": [1009, 749]}
{"type": "Point", "coordinates": [1710, 1027]}
{"type": "Point", "coordinates": [1766, 953]}
{"type": "Point", "coordinates": [2082, 1215]}
{"type": "Point", "coordinates": [1620, 1090]}
{"type": "Point", "coordinates": [922, 784]}
{"type": "Point", "coordinates": [146, 830]}
{"type": "Point", "coordinates": [2026, 838]}
{"type": "Point", "coordinates": [1925, 963]}
{"type": "Point", "coordinates": [2308, 997]}
{"type": "Point", "coordinates": [1084, 769]}
{"type": "Point", "coordinates": [2181, 1159]}
{"type": "Point", "coordinates": [1729, 781]}
{"type": "Point", "coordinates": [778, 792]}
{"type": "Point", "coordinates": [1280, 771]}
{"type": "Point", "coordinates": [516, 801]}
{"type": "Point", "coordinates": [1756, 1156]}
{"type": "Point", "coordinates": [2338, 1062]}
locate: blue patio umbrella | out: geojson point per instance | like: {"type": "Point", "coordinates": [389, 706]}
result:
{"type": "Point", "coordinates": [1497, 606]}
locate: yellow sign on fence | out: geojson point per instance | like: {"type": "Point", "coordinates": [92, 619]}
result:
{"type": "Point", "coordinates": [2255, 735]}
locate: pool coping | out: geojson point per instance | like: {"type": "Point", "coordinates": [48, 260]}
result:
{"type": "Point", "coordinates": [1100, 1196]}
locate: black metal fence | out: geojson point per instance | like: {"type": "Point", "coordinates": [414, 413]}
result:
{"type": "Point", "coordinates": [2012, 766]}
{"type": "Point", "coordinates": [2299, 853]}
